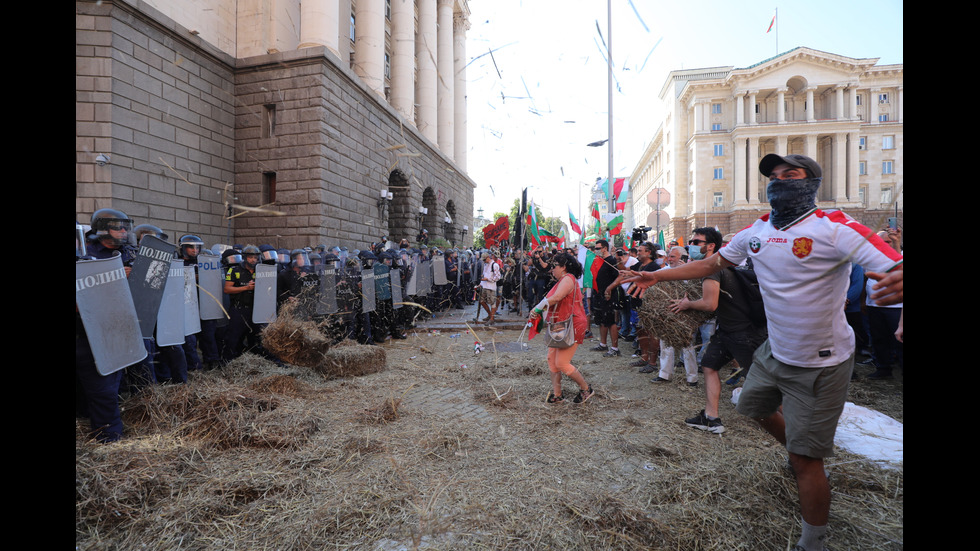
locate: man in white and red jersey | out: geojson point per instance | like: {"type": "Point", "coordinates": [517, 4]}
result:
{"type": "Point", "coordinates": [797, 385]}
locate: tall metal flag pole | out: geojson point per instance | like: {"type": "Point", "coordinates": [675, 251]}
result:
{"type": "Point", "coordinates": [775, 23]}
{"type": "Point", "coordinates": [609, 62]}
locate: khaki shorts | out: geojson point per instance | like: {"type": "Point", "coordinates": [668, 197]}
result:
{"type": "Point", "coordinates": [488, 296]}
{"type": "Point", "coordinates": [812, 399]}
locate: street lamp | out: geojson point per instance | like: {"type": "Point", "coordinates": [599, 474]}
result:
{"type": "Point", "coordinates": [447, 227]}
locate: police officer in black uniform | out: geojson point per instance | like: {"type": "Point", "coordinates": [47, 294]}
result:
{"type": "Point", "coordinates": [97, 395]}
{"type": "Point", "coordinates": [240, 285]}
{"type": "Point", "coordinates": [190, 248]}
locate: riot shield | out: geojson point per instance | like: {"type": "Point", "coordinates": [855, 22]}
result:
{"type": "Point", "coordinates": [395, 276]}
{"type": "Point", "coordinates": [148, 278]}
{"type": "Point", "coordinates": [411, 286]}
{"type": "Point", "coordinates": [211, 282]}
{"type": "Point", "coordinates": [170, 318]}
{"type": "Point", "coordinates": [439, 270]}
{"type": "Point", "coordinates": [327, 304]}
{"type": "Point", "coordinates": [424, 285]}
{"type": "Point", "coordinates": [105, 303]}
{"type": "Point", "coordinates": [192, 311]}
{"type": "Point", "coordinates": [367, 290]}
{"type": "Point", "coordinates": [382, 281]}
{"type": "Point", "coordinates": [264, 305]}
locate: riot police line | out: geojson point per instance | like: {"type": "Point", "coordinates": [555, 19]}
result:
{"type": "Point", "coordinates": [148, 310]}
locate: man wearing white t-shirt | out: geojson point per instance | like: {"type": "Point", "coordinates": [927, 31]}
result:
{"type": "Point", "coordinates": [797, 385]}
{"type": "Point", "coordinates": [488, 289]}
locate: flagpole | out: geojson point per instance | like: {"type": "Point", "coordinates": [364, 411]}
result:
{"type": "Point", "coordinates": [609, 84]}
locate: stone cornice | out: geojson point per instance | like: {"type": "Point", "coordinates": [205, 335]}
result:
{"type": "Point", "coordinates": [146, 14]}
{"type": "Point", "coordinates": [796, 128]}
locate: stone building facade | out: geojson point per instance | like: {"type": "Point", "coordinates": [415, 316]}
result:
{"type": "Point", "coordinates": [720, 121]}
{"type": "Point", "coordinates": [246, 122]}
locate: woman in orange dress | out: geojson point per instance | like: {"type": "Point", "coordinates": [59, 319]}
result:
{"type": "Point", "coordinates": [562, 301]}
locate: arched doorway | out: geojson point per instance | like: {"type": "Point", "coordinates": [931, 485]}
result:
{"type": "Point", "coordinates": [400, 221]}
{"type": "Point", "coordinates": [450, 229]}
{"type": "Point", "coordinates": [430, 220]}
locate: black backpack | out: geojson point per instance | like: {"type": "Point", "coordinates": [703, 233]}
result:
{"type": "Point", "coordinates": [753, 305]}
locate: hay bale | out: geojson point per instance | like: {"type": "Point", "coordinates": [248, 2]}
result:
{"type": "Point", "coordinates": [295, 339]}
{"type": "Point", "coordinates": [349, 359]}
{"type": "Point", "coordinates": [676, 330]}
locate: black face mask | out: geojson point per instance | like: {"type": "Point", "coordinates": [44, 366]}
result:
{"type": "Point", "coordinates": [791, 199]}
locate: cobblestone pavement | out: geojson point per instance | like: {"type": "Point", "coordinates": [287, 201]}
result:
{"type": "Point", "coordinates": [613, 378]}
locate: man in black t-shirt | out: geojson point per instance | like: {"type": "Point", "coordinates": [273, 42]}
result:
{"type": "Point", "coordinates": [735, 337]}
{"type": "Point", "coordinates": [606, 300]}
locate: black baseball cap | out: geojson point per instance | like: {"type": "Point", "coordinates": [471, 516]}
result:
{"type": "Point", "coordinates": [772, 160]}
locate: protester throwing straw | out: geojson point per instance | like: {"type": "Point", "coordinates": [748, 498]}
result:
{"type": "Point", "coordinates": [561, 317]}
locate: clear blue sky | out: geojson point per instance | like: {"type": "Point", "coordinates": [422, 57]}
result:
{"type": "Point", "coordinates": [542, 96]}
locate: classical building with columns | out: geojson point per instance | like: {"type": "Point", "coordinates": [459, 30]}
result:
{"type": "Point", "coordinates": [288, 122]}
{"type": "Point", "coordinates": [720, 121]}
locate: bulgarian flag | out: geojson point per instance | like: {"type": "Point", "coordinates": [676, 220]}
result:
{"type": "Point", "coordinates": [597, 227]}
{"type": "Point", "coordinates": [592, 264]}
{"type": "Point", "coordinates": [574, 223]}
{"type": "Point", "coordinates": [620, 190]}
{"type": "Point", "coordinates": [771, 23]}
{"type": "Point", "coordinates": [532, 225]}
{"type": "Point", "coordinates": [615, 224]}
{"type": "Point", "coordinates": [561, 236]}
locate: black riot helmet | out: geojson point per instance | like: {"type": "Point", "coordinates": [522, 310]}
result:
{"type": "Point", "coordinates": [330, 260]}
{"type": "Point", "coordinates": [248, 252]}
{"type": "Point", "coordinates": [231, 257]}
{"type": "Point", "coordinates": [300, 259]}
{"type": "Point", "coordinates": [144, 229]}
{"type": "Point", "coordinates": [367, 258]}
{"type": "Point", "coordinates": [190, 246]}
{"type": "Point", "coordinates": [112, 227]}
{"type": "Point", "coordinates": [269, 255]}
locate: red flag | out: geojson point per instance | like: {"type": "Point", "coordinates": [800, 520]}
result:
{"type": "Point", "coordinates": [536, 327]}
{"type": "Point", "coordinates": [497, 232]}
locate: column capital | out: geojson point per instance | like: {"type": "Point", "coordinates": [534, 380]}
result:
{"type": "Point", "coordinates": [461, 22]}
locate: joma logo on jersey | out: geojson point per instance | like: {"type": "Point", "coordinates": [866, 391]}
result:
{"type": "Point", "coordinates": [802, 247]}
{"type": "Point", "coordinates": [777, 240]}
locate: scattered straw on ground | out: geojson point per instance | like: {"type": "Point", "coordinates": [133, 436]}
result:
{"type": "Point", "coordinates": [447, 450]}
